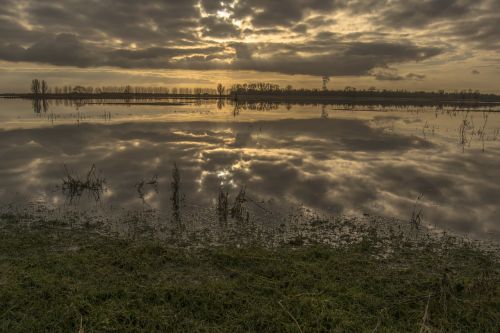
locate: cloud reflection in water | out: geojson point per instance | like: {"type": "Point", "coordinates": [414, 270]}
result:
{"type": "Point", "coordinates": [335, 165]}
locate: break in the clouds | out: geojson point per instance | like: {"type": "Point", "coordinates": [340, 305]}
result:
{"type": "Point", "coordinates": [386, 40]}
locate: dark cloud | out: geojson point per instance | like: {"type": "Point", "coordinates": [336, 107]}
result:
{"type": "Point", "coordinates": [319, 21]}
{"type": "Point", "coordinates": [392, 74]}
{"type": "Point", "coordinates": [418, 13]}
{"type": "Point", "coordinates": [482, 32]}
{"type": "Point", "coordinates": [387, 74]}
{"type": "Point", "coordinates": [214, 27]}
{"type": "Point", "coordinates": [471, 21]}
{"type": "Point", "coordinates": [335, 59]}
{"type": "Point", "coordinates": [264, 13]}
{"type": "Point", "coordinates": [62, 49]}
{"type": "Point", "coordinates": [413, 76]}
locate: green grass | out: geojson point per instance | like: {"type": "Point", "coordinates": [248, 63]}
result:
{"type": "Point", "coordinates": [50, 280]}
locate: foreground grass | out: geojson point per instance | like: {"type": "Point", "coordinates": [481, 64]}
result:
{"type": "Point", "coordinates": [61, 281]}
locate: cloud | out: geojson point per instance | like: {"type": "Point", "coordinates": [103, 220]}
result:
{"type": "Point", "coordinates": [62, 49]}
{"type": "Point", "coordinates": [413, 76]}
{"type": "Point", "coordinates": [213, 27]}
{"type": "Point", "coordinates": [289, 36]}
{"type": "Point", "coordinates": [392, 74]}
{"type": "Point", "coordinates": [418, 13]}
{"type": "Point", "coordinates": [337, 58]}
{"type": "Point", "coordinates": [264, 13]}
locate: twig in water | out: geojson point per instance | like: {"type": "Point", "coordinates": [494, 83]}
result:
{"type": "Point", "coordinates": [140, 187]}
{"type": "Point", "coordinates": [238, 207]}
{"type": "Point", "coordinates": [417, 214]}
{"type": "Point", "coordinates": [73, 187]}
{"type": "Point", "coordinates": [222, 205]}
{"type": "Point", "coordinates": [176, 197]}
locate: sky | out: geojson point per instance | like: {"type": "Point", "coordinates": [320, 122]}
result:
{"type": "Point", "coordinates": [386, 44]}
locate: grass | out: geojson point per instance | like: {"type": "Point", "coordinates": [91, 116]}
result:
{"type": "Point", "coordinates": [65, 281]}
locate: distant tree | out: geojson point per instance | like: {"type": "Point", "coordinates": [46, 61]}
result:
{"type": "Point", "coordinates": [220, 89]}
{"type": "Point", "coordinates": [79, 90]}
{"type": "Point", "coordinates": [35, 86]}
{"type": "Point", "coordinates": [44, 87]}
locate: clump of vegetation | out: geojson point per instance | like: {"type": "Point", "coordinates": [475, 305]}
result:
{"type": "Point", "coordinates": [238, 210]}
{"type": "Point", "coordinates": [417, 213]}
{"type": "Point", "coordinates": [465, 131]}
{"type": "Point", "coordinates": [482, 131]}
{"type": "Point", "coordinates": [74, 187]}
{"type": "Point", "coordinates": [175, 186]}
{"type": "Point", "coordinates": [140, 187]}
{"type": "Point", "coordinates": [223, 205]}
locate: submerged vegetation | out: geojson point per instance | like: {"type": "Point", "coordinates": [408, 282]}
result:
{"type": "Point", "coordinates": [417, 213]}
{"type": "Point", "coordinates": [222, 205]}
{"type": "Point", "coordinates": [238, 211]}
{"type": "Point", "coordinates": [73, 186]}
{"type": "Point", "coordinates": [175, 186]}
{"type": "Point", "coordinates": [142, 186]}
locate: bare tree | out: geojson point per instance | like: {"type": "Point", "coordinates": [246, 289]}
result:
{"type": "Point", "coordinates": [220, 89]}
{"type": "Point", "coordinates": [35, 86]}
{"type": "Point", "coordinates": [44, 87]}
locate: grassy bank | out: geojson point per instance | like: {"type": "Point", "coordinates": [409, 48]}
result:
{"type": "Point", "coordinates": [67, 281]}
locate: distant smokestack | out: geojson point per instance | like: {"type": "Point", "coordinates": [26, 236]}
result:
{"type": "Point", "coordinates": [325, 79]}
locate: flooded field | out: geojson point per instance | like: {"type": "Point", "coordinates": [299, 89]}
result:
{"type": "Point", "coordinates": [262, 166]}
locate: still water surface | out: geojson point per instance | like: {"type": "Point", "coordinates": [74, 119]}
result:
{"type": "Point", "coordinates": [334, 159]}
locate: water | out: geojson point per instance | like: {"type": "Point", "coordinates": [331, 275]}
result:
{"type": "Point", "coordinates": [331, 159]}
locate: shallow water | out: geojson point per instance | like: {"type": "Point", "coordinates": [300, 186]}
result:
{"type": "Point", "coordinates": [332, 159]}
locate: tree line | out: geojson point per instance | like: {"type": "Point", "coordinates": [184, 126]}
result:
{"type": "Point", "coordinates": [270, 89]}
{"type": "Point", "coordinates": [40, 89]}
